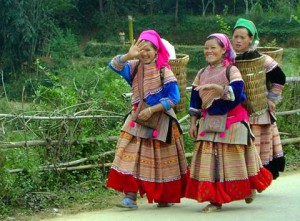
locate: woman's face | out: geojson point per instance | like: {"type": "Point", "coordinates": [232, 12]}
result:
{"type": "Point", "coordinates": [148, 54]}
{"type": "Point", "coordinates": [241, 40]}
{"type": "Point", "coordinates": [213, 52]}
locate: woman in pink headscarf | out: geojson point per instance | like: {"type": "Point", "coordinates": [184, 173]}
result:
{"type": "Point", "coordinates": [225, 165]}
{"type": "Point", "coordinates": [150, 161]}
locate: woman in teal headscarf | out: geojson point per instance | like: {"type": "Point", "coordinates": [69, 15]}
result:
{"type": "Point", "coordinates": [267, 140]}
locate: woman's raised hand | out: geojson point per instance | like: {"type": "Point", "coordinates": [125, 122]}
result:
{"type": "Point", "coordinates": [136, 48]}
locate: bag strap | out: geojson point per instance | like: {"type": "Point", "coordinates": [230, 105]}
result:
{"type": "Point", "coordinates": [141, 92]}
{"type": "Point", "coordinates": [141, 86]}
{"type": "Point", "coordinates": [135, 70]}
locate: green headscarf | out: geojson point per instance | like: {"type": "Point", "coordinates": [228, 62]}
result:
{"type": "Point", "coordinates": [244, 23]}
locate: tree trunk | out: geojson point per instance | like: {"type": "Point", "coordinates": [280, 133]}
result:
{"type": "Point", "coordinates": [247, 7]}
{"type": "Point", "coordinates": [176, 13]}
{"type": "Point", "coordinates": [101, 7]}
{"type": "Point", "coordinates": [204, 6]}
{"type": "Point", "coordinates": [234, 7]}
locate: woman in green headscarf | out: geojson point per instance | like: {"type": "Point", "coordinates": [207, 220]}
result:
{"type": "Point", "coordinates": [267, 140]}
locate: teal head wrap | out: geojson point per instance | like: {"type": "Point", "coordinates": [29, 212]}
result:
{"type": "Point", "coordinates": [249, 25]}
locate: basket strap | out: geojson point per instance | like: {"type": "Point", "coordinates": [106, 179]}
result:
{"type": "Point", "coordinates": [228, 72]}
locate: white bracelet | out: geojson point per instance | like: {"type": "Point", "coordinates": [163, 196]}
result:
{"type": "Point", "coordinates": [150, 110]}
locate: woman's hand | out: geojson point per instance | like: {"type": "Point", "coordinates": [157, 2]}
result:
{"type": "Point", "coordinates": [145, 114]}
{"type": "Point", "coordinates": [193, 131]}
{"type": "Point", "coordinates": [136, 48]}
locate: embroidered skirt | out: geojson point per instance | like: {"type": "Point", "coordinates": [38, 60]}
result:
{"type": "Point", "coordinates": [268, 145]}
{"type": "Point", "coordinates": [221, 173]}
{"type": "Point", "coordinates": [150, 167]}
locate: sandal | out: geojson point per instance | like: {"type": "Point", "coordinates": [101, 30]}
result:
{"type": "Point", "coordinates": [165, 204]}
{"type": "Point", "coordinates": [211, 208]}
{"type": "Point", "coordinates": [250, 199]}
{"type": "Point", "coordinates": [128, 203]}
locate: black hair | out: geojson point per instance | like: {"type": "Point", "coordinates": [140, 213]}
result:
{"type": "Point", "coordinates": [249, 33]}
{"type": "Point", "coordinates": [220, 43]}
{"type": "Point", "coordinates": [151, 44]}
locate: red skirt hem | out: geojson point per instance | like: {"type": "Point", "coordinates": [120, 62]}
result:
{"type": "Point", "coordinates": [158, 192]}
{"type": "Point", "coordinates": [228, 191]}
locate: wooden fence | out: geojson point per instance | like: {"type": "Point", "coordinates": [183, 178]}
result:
{"type": "Point", "coordinates": [75, 165]}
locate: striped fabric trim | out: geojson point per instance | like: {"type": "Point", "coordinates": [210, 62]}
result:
{"type": "Point", "coordinates": [270, 63]}
{"type": "Point", "coordinates": [235, 162]}
{"type": "Point", "coordinates": [152, 81]}
{"type": "Point", "coordinates": [147, 179]}
{"type": "Point", "coordinates": [210, 76]}
{"type": "Point", "coordinates": [267, 142]}
{"type": "Point", "coordinates": [149, 159]}
{"type": "Point", "coordinates": [117, 64]}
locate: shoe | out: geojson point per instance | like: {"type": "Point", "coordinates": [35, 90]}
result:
{"type": "Point", "coordinates": [128, 203]}
{"type": "Point", "coordinates": [250, 199]}
{"type": "Point", "coordinates": [165, 204]}
{"type": "Point", "coordinates": [211, 208]}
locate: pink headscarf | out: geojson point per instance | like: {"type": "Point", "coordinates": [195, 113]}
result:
{"type": "Point", "coordinates": [229, 56]}
{"type": "Point", "coordinates": [162, 53]}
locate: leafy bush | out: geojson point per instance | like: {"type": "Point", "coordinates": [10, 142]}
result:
{"type": "Point", "coordinates": [93, 91]}
{"type": "Point", "coordinates": [62, 47]}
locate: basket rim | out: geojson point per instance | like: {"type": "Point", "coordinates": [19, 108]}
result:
{"type": "Point", "coordinates": [270, 49]}
{"type": "Point", "coordinates": [184, 56]}
{"type": "Point", "coordinates": [251, 60]}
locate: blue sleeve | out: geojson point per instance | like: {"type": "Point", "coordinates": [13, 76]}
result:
{"type": "Point", "coordinates": [124, 72]}
{"type": "Point", "coordinates": [224, 106]}
{"type": "Point", "coordinates": [168, 97]}
{"type": "Point", "coordinates": [171, 95]}
{"type": "Point", "coordinates": [195, 104]}
{"type": "Point", "coordinates": [195, 101]}
{"type": "Point", "coordinates": [171, 91]}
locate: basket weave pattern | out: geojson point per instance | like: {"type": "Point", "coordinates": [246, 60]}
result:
{"type": "Point", "coordinates": [254, 75]}
{"type": "Point", "coordinates": [178, 66]}
{"type": "Point", "coordinates": [274, 52]}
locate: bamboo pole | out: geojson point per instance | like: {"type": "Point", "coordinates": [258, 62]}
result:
{"type": "Point", "coordinates": [189, 88]}
{"type": "Point", "coordinates": [287, 112]}
{"type": "Point", "coordinates": [292, 79]}
{"type": "Point", "coordinates": [290, 140]}
{"type": "Point", "coordinates": [81, 167]}
{"type": "Point", "coordinates": [91, 140]}
{"type": "Point", "coordinates": [69, 165]}
{"type": "Point", "coordinates": [33, 143]}
{"type": "Point", "coordinates": [61, 166]}
{"type": "Point", "coordinates": [58, 117]}
{"type": "Point", "coordinates": [130, 28]}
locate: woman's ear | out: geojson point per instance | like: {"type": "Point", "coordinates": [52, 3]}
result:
{"type": "Point", "coordinates": [251, 40]}
{"type": "Point", "coordinates": [224, 51]}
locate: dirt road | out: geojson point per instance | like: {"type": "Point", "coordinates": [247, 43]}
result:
{"type": "Point", "coordinates": [279, 202]}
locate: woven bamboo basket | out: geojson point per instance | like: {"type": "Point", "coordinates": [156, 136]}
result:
{"type": "Point", "coordinates": [178, 66]}
{"type": "Point", "coordinates": [274, 52]}
{"type": "Point", "coordinates": [254, 75]}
